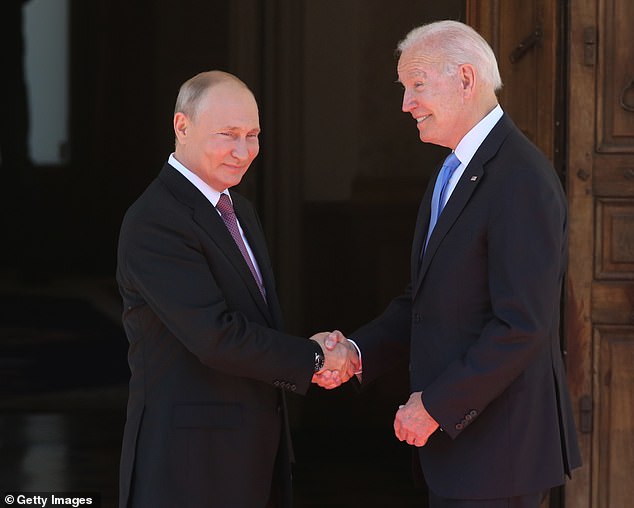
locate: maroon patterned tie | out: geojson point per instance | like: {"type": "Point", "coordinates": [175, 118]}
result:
{"type": "Point", "coordinates": [228, 215]}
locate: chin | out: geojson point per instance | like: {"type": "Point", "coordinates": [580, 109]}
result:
{"type": "Point", "coordinates": [424, 139]}
{"type": "Point", "coordinates": [421, 134]}
{"type": "Point", "coordinates": [233, 183]}
{"type": "Point", "coordinates": [428, 139]}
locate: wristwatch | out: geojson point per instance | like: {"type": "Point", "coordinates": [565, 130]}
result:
{"type": "Point", "coordinates": [319, 361]}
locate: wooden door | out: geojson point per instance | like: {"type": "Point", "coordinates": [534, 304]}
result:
{"type": "Point", "coordinates": [572, 92]}
{"type": "Point", "coordinates": [600, 293]}
{"type": "Point", "coordinates": [527, 40]}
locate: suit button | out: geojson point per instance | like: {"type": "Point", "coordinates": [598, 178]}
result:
{"type": "Point", "coordinates": [276, 383]}
{"type": "Point", "coordinates": [416, 317]}
{"type": "Point", "coordinates": [473, 413]}
{"type": "Point", "coordinates": [293, 387]}
{"type": "Point", "coordinates": [468, 417]}
{"type": "Point", "coordinates": [459, 426]}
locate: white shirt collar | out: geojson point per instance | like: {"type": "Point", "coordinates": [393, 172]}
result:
{"type": "Point", "coordinates": [209, 192]}
{"type": "Point", "coordinates": [472, 140]}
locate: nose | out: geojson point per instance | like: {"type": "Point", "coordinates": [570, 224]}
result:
{"type": "Point", "coordinates": [408, 102]}
{"type": "Point", "coordinates": [240, 150]}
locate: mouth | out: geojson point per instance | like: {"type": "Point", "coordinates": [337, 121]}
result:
{"type": "Point", "coordinates": [421, 119]}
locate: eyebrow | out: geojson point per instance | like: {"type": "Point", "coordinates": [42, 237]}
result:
{"type": "Point", "coordinates": [413, 74]}
{"type": "Point", "coordinates": [234, 128]}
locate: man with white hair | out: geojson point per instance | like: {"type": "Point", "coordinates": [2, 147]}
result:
{"type": "Point", "coordinates": [489, 409]}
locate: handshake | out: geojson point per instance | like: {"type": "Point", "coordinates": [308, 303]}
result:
{"type": "Point", "coordinates": [412, 422]}
{"type": "Point", "coordinates": [341, 360]}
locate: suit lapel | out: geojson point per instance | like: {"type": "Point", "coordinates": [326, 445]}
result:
{"type": "Point", "coordinates": [470, 179]}
{"type": "Point", "coordinates": [422, 225]}
{"type": "Point", "coordinates": [210, 221]}
{"type": "Point", "coordinates": [455, 206]}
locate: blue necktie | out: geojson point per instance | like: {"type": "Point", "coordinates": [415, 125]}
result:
{"type": "Point", "coordinates": [438, 199]}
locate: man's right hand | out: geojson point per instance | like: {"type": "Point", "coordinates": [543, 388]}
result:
{"type": "Point", "coordinates": [341, 360]}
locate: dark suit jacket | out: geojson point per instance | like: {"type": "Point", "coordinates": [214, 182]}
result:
{"type": "Point", "coordinates": [206, 418]}
{"type": "Point", "coordinates": [480, 322]}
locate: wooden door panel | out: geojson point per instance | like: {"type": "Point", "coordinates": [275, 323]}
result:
{"type": "Point", "coordinates": [523, 36]}
{"type": "Point", "coordinates": [615, 98]}
{"type": "Point", "coordinates": [613, 175]}
{"type": "Point", "coordinates": [524, 66]}
{"type": "Point", "coordinates": [614, 253]}
{"type": "Point", "coordinates": [581, 95]}
{"type": "Point", "coordinates": [613, 303]}
{"type": "Point", "coordinates": [613, 459]}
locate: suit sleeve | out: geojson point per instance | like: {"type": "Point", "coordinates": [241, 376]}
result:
{"type": "Point", "coordinates": [168, 287]}
{"type": "Point", "coordinates": [384, 342]}
{"type": "Point", "coordinates": [526, 247]}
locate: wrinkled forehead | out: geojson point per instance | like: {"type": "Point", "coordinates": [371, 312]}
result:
{"type": "Point", "coordinates": [418, 62]}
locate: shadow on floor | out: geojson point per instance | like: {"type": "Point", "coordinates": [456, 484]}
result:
{"type": "Point", "coordinates": [62, 411]}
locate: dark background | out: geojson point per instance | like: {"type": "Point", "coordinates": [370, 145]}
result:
{"type": "Point", "coordinates": [337, 184]}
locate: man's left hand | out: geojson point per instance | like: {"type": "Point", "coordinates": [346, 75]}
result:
{"type": "Point", "coordinates": [413, 423]}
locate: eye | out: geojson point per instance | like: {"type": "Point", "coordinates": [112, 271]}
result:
{"type": "Point", "coordinates": [419, 84]}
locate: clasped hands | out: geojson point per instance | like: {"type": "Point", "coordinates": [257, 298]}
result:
{"type": "Point", "coordinates": [412, 422]}
{"type": "Point", "coordinates": [341, 360]}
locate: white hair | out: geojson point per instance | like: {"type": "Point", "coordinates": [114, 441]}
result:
{"type": "Point", "coordinates": [455, 44]}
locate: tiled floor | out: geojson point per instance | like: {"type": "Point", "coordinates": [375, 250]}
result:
{"type": "Point", "coordinates": [62, 410]}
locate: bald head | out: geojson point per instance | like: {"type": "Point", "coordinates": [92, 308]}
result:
{"type": "Point", "coordinates": [194, 90]}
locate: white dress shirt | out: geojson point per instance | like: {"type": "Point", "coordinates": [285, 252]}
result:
{"type": "Point", "coordinates": [469, 145]}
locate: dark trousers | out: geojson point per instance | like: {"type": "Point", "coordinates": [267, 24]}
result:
{"type": "Point", "coordinates": [528, 501]}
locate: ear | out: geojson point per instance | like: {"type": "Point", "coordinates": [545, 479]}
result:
{"type": "Point", "coordinates": [181, 123]}
{"type": "Point", "coordinates": [467, 79]}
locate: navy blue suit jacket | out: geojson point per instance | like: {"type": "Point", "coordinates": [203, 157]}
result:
{"type": "Point", "coordinates": [480, 323]}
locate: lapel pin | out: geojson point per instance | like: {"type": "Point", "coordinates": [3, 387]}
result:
{"type": "Point", "coordinates": [474, 178]}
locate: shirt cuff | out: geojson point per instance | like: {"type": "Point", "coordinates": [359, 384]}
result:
{"type": "Point", "coordinates": [360, 369]}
